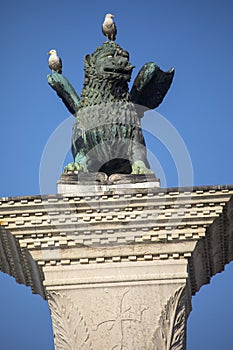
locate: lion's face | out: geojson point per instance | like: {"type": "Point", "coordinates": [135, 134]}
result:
{"type": "Point", "coordinates": [111, 62]}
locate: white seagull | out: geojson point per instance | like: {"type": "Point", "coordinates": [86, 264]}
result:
{"type": "Point", "coordinates": [109, 28]}
{"type": "Point", "coordinates": [55, 63]}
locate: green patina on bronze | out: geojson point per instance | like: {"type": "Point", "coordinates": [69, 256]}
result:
{"type": "Point", "coordinates": [107, 135]}
{"type": "Point", "coordinates": [65, 91]}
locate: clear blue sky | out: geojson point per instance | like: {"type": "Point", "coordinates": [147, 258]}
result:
{"type": "Point", "coordinates": [195, 37]}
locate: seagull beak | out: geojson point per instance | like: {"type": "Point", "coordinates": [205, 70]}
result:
{"type": "Point", "coordinates": [49, 53]}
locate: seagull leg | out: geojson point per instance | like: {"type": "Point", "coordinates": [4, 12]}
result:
{"type": "Point", "coordinates": [112, 39]}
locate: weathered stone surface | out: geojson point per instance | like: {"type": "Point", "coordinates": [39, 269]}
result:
{"type": "Point", "coordinates": [120, 306]}
{"type": "Point", "coordinates": [118, 266]}
{"type": "Point", "coordinates": [74, 183]}
{"type": "Point", "coordinates": [18, 262]}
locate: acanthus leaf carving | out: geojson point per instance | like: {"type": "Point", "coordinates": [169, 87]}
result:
{"type": "Point", "coordinates": [170, 335]}
{"type": "Point", "coordinates": [70, 329]}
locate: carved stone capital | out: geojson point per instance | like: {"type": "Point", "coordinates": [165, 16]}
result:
{"type": "Point", "coordinates": [121, 305]}
{"type": "Point", "coordinates": [118, 263]}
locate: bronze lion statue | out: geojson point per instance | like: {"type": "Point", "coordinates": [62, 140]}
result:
{"type": "Point", "coordinates": [107, 135]}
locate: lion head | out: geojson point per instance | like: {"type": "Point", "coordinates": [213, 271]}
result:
{"type": "Point", "coordinates": [110, 62]}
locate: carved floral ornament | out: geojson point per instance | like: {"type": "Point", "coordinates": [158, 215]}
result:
{"type": "Point", "coordinates": [72, 333]}
{"type": "Point", "coordinates": [170, 335]}
{"type": "Point", "coordinates": [70, 330]}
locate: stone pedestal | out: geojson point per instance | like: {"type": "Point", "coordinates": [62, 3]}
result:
{"type": "Point", "coordinates": [118, 261]}
{"type": "Point", "coordinates": [100, 183]}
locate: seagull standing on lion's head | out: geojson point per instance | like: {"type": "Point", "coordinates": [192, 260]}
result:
{"type": "Point", "coordinates": [109, 28]}
{"type": "Point", "coordinates": [55, 63]}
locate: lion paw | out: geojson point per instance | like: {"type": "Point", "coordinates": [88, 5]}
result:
{"type": "Point", "coordinates": [139, 167]}
{"type": "Point", "coordinates": [75, 168]}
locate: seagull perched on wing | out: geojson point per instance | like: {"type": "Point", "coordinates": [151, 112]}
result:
{"type": "Point", "coordinates": [55, 63]}
{"type": "Point", "coordinates": [109, 28]}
